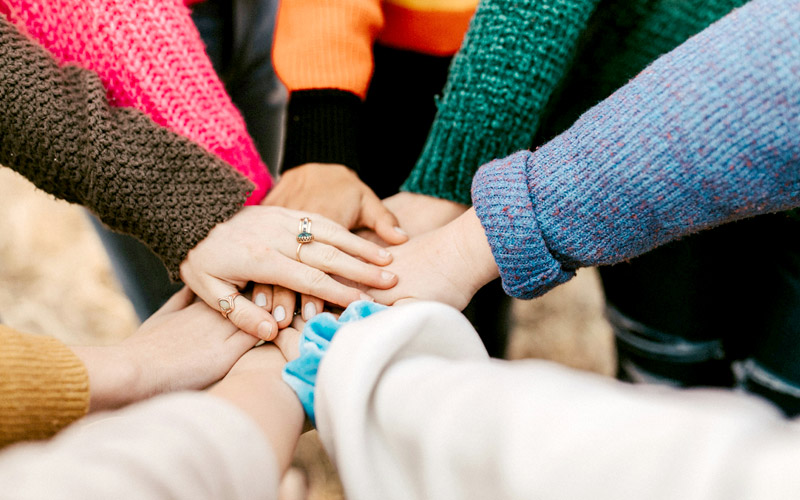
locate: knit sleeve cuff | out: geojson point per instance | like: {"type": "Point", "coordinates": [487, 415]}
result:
{"type": "Point", "coordinates": [437, 173]}
{"type": "Point", "coordinates": [169, 194]}
{"type": "Point", "coordinates": [322, 126]}
{"type": "Point", "coordinates": [508, 216]}
{"type": "Point", "coordinates": [44, 386]}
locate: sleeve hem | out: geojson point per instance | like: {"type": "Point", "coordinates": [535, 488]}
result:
{"type": "Point", "coordinates": [504, 206]}
{"type": "Point", "coordinates": [323, 126]}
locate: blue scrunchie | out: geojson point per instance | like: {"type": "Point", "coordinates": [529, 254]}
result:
{"type": "Point", "coordinates": [301, 374]}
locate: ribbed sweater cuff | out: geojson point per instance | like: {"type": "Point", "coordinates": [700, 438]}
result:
{"type": "Point", "coordinates": [322, 127]}
{"type": "Point", "coordinates": [508, 216]}
{"type": "Point", "coordinates": [44, 386]}
{"type": "Point", "coordinates": [446, 167]}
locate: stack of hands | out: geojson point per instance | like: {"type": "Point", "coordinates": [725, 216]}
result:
{"type": "Point", "coordinates": [407, 246]}
{"type": "Point", "coordinates": [244, 278]}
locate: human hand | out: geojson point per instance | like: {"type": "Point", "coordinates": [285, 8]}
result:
{"type": "Point", "coordinates": [259, 244]}
{"type": "Point", "coordinates": [420, 213]}
{"type": "Point", "coordinates": [447, 265]}
{"type": "Point", "coordinates": [337, 193]}
{"type": "Point", "coordinates": [288, 339]}
{"type": "Point", "coordinates": [281, 301]}
{"type": "Point", "coordinates": [182, 346]}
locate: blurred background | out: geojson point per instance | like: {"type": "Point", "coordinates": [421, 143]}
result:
{"type": "Point", "coordinates": [55, 279]}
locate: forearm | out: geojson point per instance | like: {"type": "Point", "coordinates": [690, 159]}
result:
{"type": "Point", "coordinates": [180, 446]}
{"type": "Point", "coordinates": [704, 136]}
{"type": "Point", "coordinates": [58, 131]}
{"type": "Point", "coordinates": [323, 54]}
{"type": "Point", "coordinates": [421, 396]}
{"type": "Point", "coordinates": [262, 395]}
{"type": "Point", "coordinates": [512, 58]}
{"type": "Point", "coordinates": [148, 57]}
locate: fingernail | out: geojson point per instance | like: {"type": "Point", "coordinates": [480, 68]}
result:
{"type": "Point", "coordinates": [399, 230]}
{"type": "Point", "coordinates": [387, 276]}
{"type": "Point", "coordinates": [309, 311]}
{"type": "Point", "coordinates": [279, 314]}
{"type": "Point", "coordinates": [383, 253]}
{"type": "Point", "coordinates": [366, 297]}
{"type": "Point", "coordinates": [261, 300]}
{"type": "Point", "coordinates": [264, 330]}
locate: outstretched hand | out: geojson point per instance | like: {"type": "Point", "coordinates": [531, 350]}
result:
{"type": "Point", "coordinates": [420, 213]}
{"type": "Point", "coordinates": [447, 265]}
{"type": "Point", "coordinates": [259, 244]}
{"type": "Point", "coordinates": [183, 346]}
{"type": "Point", "coordinates": [337, 193]}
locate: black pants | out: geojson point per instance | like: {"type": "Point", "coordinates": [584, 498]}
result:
{"type": "Point", "coordinates": [719, 308]}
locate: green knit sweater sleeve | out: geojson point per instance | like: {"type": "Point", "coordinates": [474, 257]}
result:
{"type": "Point", "coordinates": [58, 131]}
{"type": "Point", "coordinates": [513, 56]}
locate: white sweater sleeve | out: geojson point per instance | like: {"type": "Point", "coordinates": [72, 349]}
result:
{"type": "Point", "coordinates": [191, 446]}
{"type": "Point", "coordinates": [410, 407]}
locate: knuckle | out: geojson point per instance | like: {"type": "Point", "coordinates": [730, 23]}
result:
{"type": "Point", "coordinates": [329, 256]}
{"type": "Point", "coordinates": [316, 278]}
{"type": "Point", "coordinates": [243, 317]}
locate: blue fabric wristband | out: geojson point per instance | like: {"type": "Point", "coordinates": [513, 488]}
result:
{"type": "Point", "coordinates": [301, 373]}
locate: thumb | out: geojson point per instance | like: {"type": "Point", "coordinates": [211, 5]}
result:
{"type": "Point", "coordinates": [375, 216]}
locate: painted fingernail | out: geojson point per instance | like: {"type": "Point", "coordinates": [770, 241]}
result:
{"type": "Point", "coordinates": [383, 253]}
{"type": "Point", "coordinates": [387, 276]}
{"type": "Point", "coordinates": [261, 300]}
{"type": "Point", "coordinates": [279, 314]}
{"type": "Point", "coordinates": [264, 330]}
{"type": "Point", "coordinates": [399, 230]}
{"type": "Point", "coordinates": [309, 311]}
{"type": "Point", "coordinates": [366, 297]}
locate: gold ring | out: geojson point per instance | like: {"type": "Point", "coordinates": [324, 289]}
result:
{"type": "Point", "coordinates": [227, 304]}
{"type": "Point", "coordinates": [299, 246]}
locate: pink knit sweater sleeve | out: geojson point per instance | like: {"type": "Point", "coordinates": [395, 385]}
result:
{"type": "Point", "coordinates": [149, 56]}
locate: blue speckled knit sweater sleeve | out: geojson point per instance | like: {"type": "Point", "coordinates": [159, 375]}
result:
{"type": "Point", "coordinates": [709, 133]}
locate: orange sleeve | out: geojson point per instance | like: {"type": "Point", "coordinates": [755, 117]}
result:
{"type": "Point", "coordinates": [326, 44]}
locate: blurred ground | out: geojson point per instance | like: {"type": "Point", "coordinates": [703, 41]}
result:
{"type": "Point", "coordinates": [55, 279]}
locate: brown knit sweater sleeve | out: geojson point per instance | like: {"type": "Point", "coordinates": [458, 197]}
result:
{"type": "Point", "coordinates": [57, 130]}
{"type": "Point", "coordinates": [43, 386]}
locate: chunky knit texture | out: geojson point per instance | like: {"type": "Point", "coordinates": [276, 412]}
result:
{"type": "Point", "coordinates": [706, 135]}
{"type": "Point", "coordinates": [149, 56]}
{"type": "Point", "coordinates": [44, 386]}
{"type": "Point", "coordinates": [57, 130]}
{"type": "Point", "coordinates": [507, 74]}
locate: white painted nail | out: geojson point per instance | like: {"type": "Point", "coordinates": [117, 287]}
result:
{"type": "Point", "coordinates": [279, 314]}
{"type": "Point", "coordinates": [399, 230]}
{"type": "Point", "coordinates": [309, 311]}
{"type": "Point", "coordinates": [383, 253]}
{"type": "Point", "coordinates": [264, 330]}
{"type": "Point", "coordinates": [387, 276]}
{"type": "Point", "coordinates": [366, 297]}
{"type": "Point", "coordinates": [261, 300]}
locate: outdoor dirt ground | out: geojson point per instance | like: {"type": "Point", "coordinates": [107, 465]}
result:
{"type": "Point", "coordinates": [55, 279]}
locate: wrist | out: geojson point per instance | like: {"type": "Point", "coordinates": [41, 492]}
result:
{"type": "Point", "coordinates": [114, 377]}
{"type": "Point", "coordinates": [474, 262]}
